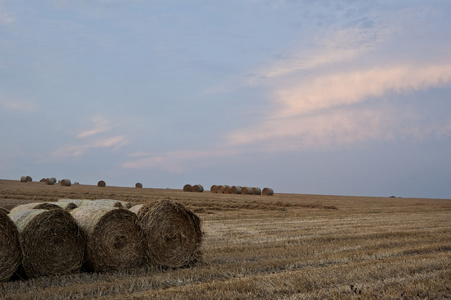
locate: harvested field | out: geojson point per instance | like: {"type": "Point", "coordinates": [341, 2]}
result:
{"type": "Point", "coordinates": [286, 246]}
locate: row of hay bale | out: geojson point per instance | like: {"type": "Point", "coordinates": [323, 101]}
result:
{"type": "Point", "coordinates": [67, 182]}
{"type": "Point", "coordinates": [245, 190]}
{"type": "Point", "coordinates": [71, 235]}
{"type": "Point", "coordinates": [197, 188]}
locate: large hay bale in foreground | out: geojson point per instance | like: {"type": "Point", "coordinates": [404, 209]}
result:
{"type": "Point", "coordinates": [41, 205]}
{"type": "Point", "coordinates": [4, 210]}
{"type": "Point", "coordinates": [51, 240]}
{"type": "Point", "coordinates": [256, 191]}
{"type": "Point", "coordinates": [10, 252]}
{"type": "Point", "coordinates": [197, 188]}
{"type": "Point", "coordinates": [188, 188]}
{"type": "Point", "coordinates": [235, 189]}
{"type": "Point", "coordinates": [268, 191]}
{"type": "Point", "coordinates": [114, 238]}
{"type": "Point", "coordinates": [172, 234]}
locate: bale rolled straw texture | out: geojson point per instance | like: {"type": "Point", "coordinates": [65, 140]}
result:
{"type": "Point", "coordinates": [101, 183]}
{"type": "Point", "coordinates": [23, 179]}
{"type": "Point", "coordinates": [197, 188]}
{"type": "Point", "coordinates": [51, 181]}
{"type": "Point", "coordinates": [188, 188]}
{"type": "Point", "coordinates": [51, 240]}
{"type": "Point", "coordinates": [29, 179]}
{"type": "Point", "coordinates": [213, 188]}
{"type": "Point", "coordinates": [41, 205]}
{"type": "Point", "coordinates": [4, 210]}
{"type": "Point", "coordinates": [220, 189]}
{"type": "Point", "coordinates": [227, 189]}
{"type": "Point", "coordinates": [235, 189]}
{"type": "Point", "coordinates": [256, 191]}
{"type": "Point", "coordinates": [98, 202]}
{"type": "Point", "coordinates": [65, 182]}
{"type": "Point", "coordinates": [114, 238]}
{"type": "Point", "coordinates": [10, 252]}
{"type": "Point", "coordinates": [245, 190]}
{"type": "Point", "coordinates": [172, 234]}
{"type": "Point", "coordinates": [139, 185]}
{"type": "Point", "coordinates": [268, 191]}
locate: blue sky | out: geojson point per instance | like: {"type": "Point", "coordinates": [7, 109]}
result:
{"type": "Point", "coordinates": [324, 97]}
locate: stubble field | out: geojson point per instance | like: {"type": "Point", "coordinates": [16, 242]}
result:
{"type": "Point", "coordinates": [285, 246]}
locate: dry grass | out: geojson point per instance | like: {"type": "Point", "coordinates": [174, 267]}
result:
{"type": "Point", "coordinates": [285, 246]}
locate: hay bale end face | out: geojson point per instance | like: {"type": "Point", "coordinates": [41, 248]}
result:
{"type": "Point", "coordinates": [213, 188]}
{"type": "Point", "coordinates": [114, 238]}
{"type": "Point", "coordinates": [52, 242]}
{"type": "Point", "coordinates": [227, 189]}
{"type": "Point", "coordinates": [172, 234]}
{"type": "Point", "coordinates": [187, 188]}
{"type": "Point", "coordinates": [101, 183]}
{"type": "Point", "coordinates": [197, 188]}
{"type": "Point", "coordinates": [66, 182]}
{"type": "Point", "coordinates": [268, 191]}
{"type": "Point", "coordinates": [24, 178]}
{"type": "Point", "coordinates": [10, 252]}
{"type": "Point", "coordinates": [245, 190]}
{"type": "Point", "coordinates": [139, 185]}
{"type": "Point", "coordinates": [235, 189]}
{"type": "Point", "coordinates": [220, 189]}
{"type": "Point", "coordinates": [256, 191]}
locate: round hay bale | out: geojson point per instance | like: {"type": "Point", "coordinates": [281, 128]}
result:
{"type": "Point", "coordinates": [197, 188]}
{"type": "Point", "coordinates": [114, 238]}
{"type": "Point", "coordinates": [77, 202]}
{"type": "Point", "coordinates": [139, 185]}
{"type": "Point", "coordinates": [4, 210]}
{"type": "Point", "coordinates": [29, 179]}
{"type": "Point", "coordinates": [236, 189]}
{"type": "Point", "coordinates": [68, 206]}
{"type": "Point", "coordinates": [245, 190]}
{"type": "Point", "coordinates": [172, 234]}
{"type": "Point", "coordinates": [10, 252]}
{"type": "Point", "coordinates": [227, 189]}
{"type": "Point", "coordinates": [213, 188]}
{"type": "Point", "coordinates": [256, 191]}
{"type": "Point", "coordinates": [41, 205]}
{"type": "Point", "coordinates": [43, 180]}
{"type": "Point", "coordinates": [51, 181]}
{"type": "Point", "coordinates": [220, 189]}
{"type": "Point", "coordinates": [52, 242]}
{"type": "Point", "coordinates": [65, 182]}
{"type": "Point", "coordinates": [112, 203]}
{"type": "Point", "coordinates": [23, 179]}
{"type": "Point", "coordinates": [101, 183]}
{"type": "Point", "coordinates": [268, 191]}
{"type": "Point", "coordinates": [187, 188]}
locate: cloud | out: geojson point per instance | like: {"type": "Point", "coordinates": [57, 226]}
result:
{"type": "Point", "coordinates": [101, 125]}
{"type": "Point", "coordinates": [346, 88]}
{"type": "Point", "coordinates": [77, 150]}
{"type": "Point", "coordinates": [17, 105]}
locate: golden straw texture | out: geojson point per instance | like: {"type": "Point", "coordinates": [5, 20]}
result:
{"type": "Point", "coordinates": [10, 253]}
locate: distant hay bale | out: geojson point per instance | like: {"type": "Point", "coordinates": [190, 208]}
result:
{"type": "Point", "coordinates": [51, 181]}
{"type": "Point", "coordinates": [52, 242]}
{"type": "Point", "coordinates": [213, 188]}
{"type": "Point", "coordinates": [256, 191]}
{"type": "Point", "coordinates": [139, 185]}
{"type": "Point", "coordinates": [101, 183]}
{"type": "Point", "coordinates": [197, 188]}
{"type": "Point", "coordinates": [245, 190]}
{"type": "Point", "coordinates": [40, 205]}
{"type": "Point", "coordinates": [227, 189]}
{"type": "Point", "coordinates": [235, 189]}
{"type": "Point", "coordinates": [268, 191]}
{"type": "Point", "coordinates": [43, 180]}
{"type": "Point", "coordinates": [76, 183]}
{"type": "Point", "coordinates": [220, 189]}
{"type": "Point", "coordinates": [172, 234]}
{"type": "Point", "coordinates": [24, 178]}
{"type": "Point", "coordinates": [187, 188]}
{"type": "Point", "coordinates": [114, 238]}
{"type": "Point", "coordinates": [65, 182]}
{"type": "Point", "coordinates": [10, 252]}
{"type": "Point", "coordinates": [29, 179]}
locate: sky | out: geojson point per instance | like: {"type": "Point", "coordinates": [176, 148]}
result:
{"type": "Point", "coordinates": [309, 97]}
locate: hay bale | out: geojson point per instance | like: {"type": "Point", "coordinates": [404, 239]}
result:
{"type": "Point", "coordinates": [66, 205]}
{"type": "Point", "coordinates": [4, 210]}
{"type": "Point", "coordinates": [112, 203]}
{"type": "Point", "coordinates": [172, 234]}
{"type": "Point", "coordinates": [23, 179]}
{"type": "Point", "coordinates": [213, 188]}
{"type": "Point", "coordinates": [268, 191]}
{"type": "Point", "coordinates": [197, 188]}
{"type": "Point", "coordinates": [65, 182]}
{"type": "Point", "coordinates": [236, 189]}
{"type": "Point", "coordinates": [10, 252]}
{"type": "Point", "coordinates": [43, 180]}
{"type": "Point", "coordinates": [227, 189]}
{"type": "Point", "coordinates": [245, 190]}
{"type": "Point", "coordinates": [256, 191]}
{"type": "Point", "coordinates": [52, 242]}
{"type": "Point", "coordinates": [187, 188]}
{"type": "Point", "coordinates": [220, 189]}
{"type": "Point", "coordinates": [77, 202]}
{"type": "Point", "coordinates": [51, 181]}
{"type": "Point", "coordinates": [139, 185]}
{"type": "Point", "coordinates": [101, 183]}
{"type": "Point", "coordinates": [114, 238]}
{"type": "Point", "coordinates": [29, 179]}
{"type": "Point", "coordinates": [40, 205]}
